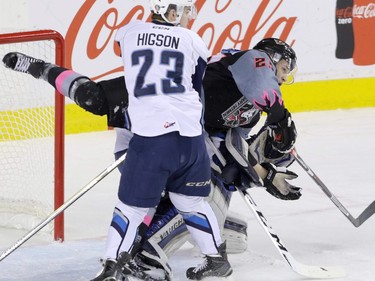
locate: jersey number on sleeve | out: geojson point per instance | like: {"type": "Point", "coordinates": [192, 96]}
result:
{"type": "Point", "coordinates": [261, 62]}
{"type": "Point", "coordinates": [175, 76]}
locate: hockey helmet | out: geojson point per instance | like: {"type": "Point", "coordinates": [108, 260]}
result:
{"type": "Point", "coordinates": [160, 7]}
{"type": "Point", "coordinates": [277, 50]}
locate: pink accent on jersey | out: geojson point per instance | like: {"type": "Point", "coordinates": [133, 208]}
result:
{"type": "Point", "coordinates": [267, 97]}
{"type": "Point", "coordinates": [61, 78]}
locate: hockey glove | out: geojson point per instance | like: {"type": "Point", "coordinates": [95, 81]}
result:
{"type": "Point", "coordinates": [283, 133]}
{"type": "Point", "coordinates": [261, 148]}
{"type": "Point", "coordinates": [276, 184]}
{"type": "Point", "coordinates": [23, 63]}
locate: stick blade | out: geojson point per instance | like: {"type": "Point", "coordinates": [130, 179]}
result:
{"type": "Point", "coordinates": [366, 214]}
{"type": "Point", "coordinates": [320, 272]}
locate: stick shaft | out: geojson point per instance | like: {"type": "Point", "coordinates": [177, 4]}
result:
{"type": "Point", "coordinates": [63, 207]}
{"type": "Point", "coordinates": [366, 214]}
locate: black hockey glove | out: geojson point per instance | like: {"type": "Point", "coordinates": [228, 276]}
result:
{"type": "Point", "coordinates": [283, 133]}
{"type": "Point", "coordinates": [276, 184]}
{"type": "Point", "coordinates": [23, 63]}
{"type": "Point", "coordinates": [261, 148]}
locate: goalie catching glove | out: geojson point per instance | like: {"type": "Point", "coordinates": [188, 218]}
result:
{"type": "Point", "coordinates": [23, 63]}
{"type": "Point", "coordinates": [276, 184]}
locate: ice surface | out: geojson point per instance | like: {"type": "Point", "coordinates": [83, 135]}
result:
{"type": "Point", "coordinates": [338, 145]}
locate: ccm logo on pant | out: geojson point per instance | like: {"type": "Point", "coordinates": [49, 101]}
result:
{"type": "Point", "coordinates": [202, 183]}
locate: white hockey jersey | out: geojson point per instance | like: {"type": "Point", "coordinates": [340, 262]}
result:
{"type": "Point", "coordinates": [164, 66]}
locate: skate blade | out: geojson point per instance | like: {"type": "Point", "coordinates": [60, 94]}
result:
{"type": "Point", "coordinates": [229, 278]}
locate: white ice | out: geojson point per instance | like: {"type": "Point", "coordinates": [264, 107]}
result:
{"type": "Point", "coordinates": [339, 147]}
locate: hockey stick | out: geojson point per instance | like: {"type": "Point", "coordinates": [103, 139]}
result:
{"type": "Point", "coordinates": [309, 271]}
{"type": "Point", "coordinates": [302, 269]}
{"type": "Point", "coordinates": [365, 215]}
{"type": "Point", "coordinates": [69, 202]}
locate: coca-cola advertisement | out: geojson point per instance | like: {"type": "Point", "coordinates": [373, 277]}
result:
{"type": "Point", "coordinates": [344, 29]}
{"type": "Point", "coordinates": [332, 39]}
{"type": "Point", "coordinates": [219, 31]}
{"type": "Point", "coordinates": [364, 32]}
{"type": "Point", "coordinates": [355, 27]}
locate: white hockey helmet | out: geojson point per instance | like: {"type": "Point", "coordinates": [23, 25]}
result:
{"type": "Point", "coordinates": [160, 7]}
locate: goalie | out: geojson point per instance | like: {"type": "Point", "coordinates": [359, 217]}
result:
{"type": "Point", "coordinates": [239, 86]}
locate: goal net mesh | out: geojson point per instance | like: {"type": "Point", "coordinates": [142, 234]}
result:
{"type": "Point", "coordinates": [27, 122]}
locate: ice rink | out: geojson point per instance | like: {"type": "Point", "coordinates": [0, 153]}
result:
{"type": "Point", "coordinates": [338, 145]}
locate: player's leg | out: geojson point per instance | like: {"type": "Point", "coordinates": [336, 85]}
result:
{"type": "Point", "coordinates": [189, 186]}
{"type": "Point", "coordinates": [134, 205]}
{"type": "Point", "coordinates": [121, 235]}
{"type": "Point", "coordinates": [107, 97]}
{"type": "Point", "coordinates": [204, 229]}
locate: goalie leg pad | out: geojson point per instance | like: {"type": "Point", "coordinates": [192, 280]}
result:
{"type": "Point", "coordinates": [235, 234]}
{"type": "Point", "coordinates": [165, 236]}
{"type": "Point", "coordinates": [219, 199]}
{"type": "Point", "coordinates": [168, 231]}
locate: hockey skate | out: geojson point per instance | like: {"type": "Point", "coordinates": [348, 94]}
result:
{"type": "Point", "coordinates": [213, 266]}
{"type": "Point", "coordinates": [25, 64]}
{"type": "Point", "coordinates": [109, 272]}
{"type": "Point", "coordinates": [113, 270]}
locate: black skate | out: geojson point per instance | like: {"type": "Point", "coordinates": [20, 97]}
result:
{"type": "Point", "coordinates": [113, 270]}
{"type": "Point", "coordinates": [212, 266]}
{"type": "Point", "coordinates": [110, 272]}
{"type": "Point", "coordinates": [122, 270]}
{"type": "Point", "coordinates": [23, 63]}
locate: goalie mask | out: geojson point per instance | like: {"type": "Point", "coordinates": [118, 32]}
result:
{"type": "Point", "coordinates": [278, 50]}
{"type": "Point", "coordinates": [184, 8]}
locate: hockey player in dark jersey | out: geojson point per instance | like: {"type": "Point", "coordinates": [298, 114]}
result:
{"type": "Point", "coordinates": [239, 86]}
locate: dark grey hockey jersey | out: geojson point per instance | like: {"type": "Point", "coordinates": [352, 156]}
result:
{"type": "Point", "coordinates": [239, 86]}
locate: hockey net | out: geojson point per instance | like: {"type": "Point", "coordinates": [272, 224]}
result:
{"type": "Point", "coordinates": [32, 136]}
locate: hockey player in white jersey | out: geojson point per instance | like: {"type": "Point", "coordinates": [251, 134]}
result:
{"type": "Point", "coordinates": [164, 67]}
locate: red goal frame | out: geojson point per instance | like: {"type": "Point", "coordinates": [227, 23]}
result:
{"type": "Point", "coordinates": [41, 35]}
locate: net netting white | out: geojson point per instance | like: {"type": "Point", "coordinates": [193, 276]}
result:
{"type": "Point", "coordinates": [27, 125]}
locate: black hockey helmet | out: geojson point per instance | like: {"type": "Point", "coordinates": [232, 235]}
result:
{"type": "Point", "coordinates": [277, 50]}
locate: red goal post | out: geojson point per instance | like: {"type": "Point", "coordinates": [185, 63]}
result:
{"type": "Point", "coordinates": [55, 46]}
